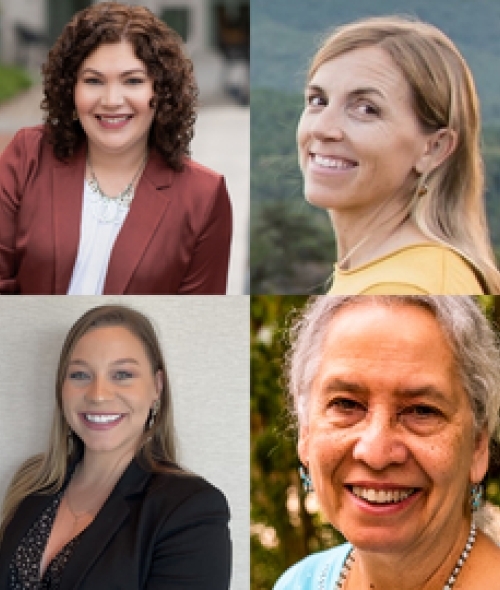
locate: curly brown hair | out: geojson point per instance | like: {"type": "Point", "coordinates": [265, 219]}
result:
{"type": "Point", "coordinates": [155, 44]}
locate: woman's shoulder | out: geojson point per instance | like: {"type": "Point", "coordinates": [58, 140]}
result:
{"type": "Point", "coordinates": [31, 138]}
{"type": "Point", "coordinates": [196, 169]}
{"type": "Point", "coordinates": [183, 487]}
{"type": "Point", "coordinates": [26, 150]}
{"type": "Point", "coordinates": [433, 269]}
{"type": "Point", "coordinates": [318, 571]}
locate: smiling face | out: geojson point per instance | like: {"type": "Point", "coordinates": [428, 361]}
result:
{"type": "Point", "coordinates": [389, 438]}
{"type": "Point", "coordinates": [109, 389]}
{"type": "Point", "coordinates": [359, 140]}
{"type": "Point", "coordinates": [112, 99]}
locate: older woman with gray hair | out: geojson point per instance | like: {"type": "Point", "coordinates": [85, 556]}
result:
{"type": "Point", "coordinates": [397, 401]}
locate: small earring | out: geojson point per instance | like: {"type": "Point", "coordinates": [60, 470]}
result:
{"type": "Point", "coordinates": [75, 115]}
{"type": "Point", "coordinates": [307, 483]}
{"type": "Point", "coordinates": [152, 415]}
{"type": "Point", "coordinates": [153, 102]}
{"type": "Point", "coordinates": [476, 496]}
{"type": "Point", "coordinates": [70, 440]}
{"type": "Point", "coordinates": [423, 190]}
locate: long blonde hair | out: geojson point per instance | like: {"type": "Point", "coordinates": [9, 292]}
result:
{"type": "Point", "coordinates": [451, 210]}
{"type": "Point", "coordinates": [46, 473]}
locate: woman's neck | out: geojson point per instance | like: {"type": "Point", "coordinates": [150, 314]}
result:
{"type": "Point", "coordinates": [362, 238]}
{"type": "Point", "coordinates": [113, 163]}
{"type": "Point", "coordinates": [423, 567]}
{"type": "Point", "coordinates": [101, 469]}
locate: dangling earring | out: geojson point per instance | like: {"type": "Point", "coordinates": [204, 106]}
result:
{"type": "Point", "coordinates": [423, 190]}
{"type": "Point", "coordinates": [307, 483]}
{"type": "Point", "coordinates": [152, 414]}
{"type": "Point", "coordinates": [476, 496]}
{"type": "Point", "coordinates": [70, 440]}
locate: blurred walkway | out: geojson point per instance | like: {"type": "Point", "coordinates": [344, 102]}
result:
{"type": "Point", "coordinates": [221, 142]}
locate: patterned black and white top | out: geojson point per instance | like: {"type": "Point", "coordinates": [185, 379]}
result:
{"type": "Point", "coordinates": [25, 565]}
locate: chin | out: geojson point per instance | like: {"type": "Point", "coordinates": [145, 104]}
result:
{"type": "Point", "coordinates": [374, 541]}
{"type": "Point", "coordinates": [326, 198]}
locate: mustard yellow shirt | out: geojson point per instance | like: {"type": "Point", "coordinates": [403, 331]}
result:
{"type": "Point", "coordinates": [429, 269]}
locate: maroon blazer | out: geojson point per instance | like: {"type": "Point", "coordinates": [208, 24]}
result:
{"type": "Point", "coordinates": [175, 238]}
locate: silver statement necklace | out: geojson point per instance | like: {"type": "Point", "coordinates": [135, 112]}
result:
{"type": "Point", "coordinates": [110, 209]}
{"type": "Point", "coordinates": [349, 561]}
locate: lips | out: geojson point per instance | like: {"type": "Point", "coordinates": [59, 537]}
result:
{"type": "Point", "coordinates": [113, 122]}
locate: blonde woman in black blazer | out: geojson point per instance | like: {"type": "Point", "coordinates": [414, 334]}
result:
{"type": "Point", "coordinates": [107, 507]}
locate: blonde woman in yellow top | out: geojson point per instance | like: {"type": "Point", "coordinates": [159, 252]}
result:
{"type": "Point", "coordinates": [389, 144]}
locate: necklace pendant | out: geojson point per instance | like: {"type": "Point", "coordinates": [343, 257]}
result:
{"type": "Point", "coordinates": [108, 210]}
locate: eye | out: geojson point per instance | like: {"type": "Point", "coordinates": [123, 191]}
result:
{"type": "Point", "coordinates": [422, 418]}
{"type": "Point", "coordinates": [422, 411]}
{"type": "Point", "coordinates": [92, 81]}
{"type": "Point", "coordinates": [122, 375]}
{"type": "Point", "coordinates": [134, 81]}
{"type": "Point", "coordinates": [345, 404]}
{"type": "Point", "coordinates": [315, 100]}
{"type": "Point", "coordinates": [343, 412]}
{"type": "Point", "coordinates": [78, 376]}
{"type": "Point", "coordinates": [366, 109]}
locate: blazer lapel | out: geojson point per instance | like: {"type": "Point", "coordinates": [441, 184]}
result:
{"type": "Point", "coordinates": [146, 212]}
{"type": "Point", "coordinates": [107, 522]}
{"type": "Point", "coordinates": [67, 195]}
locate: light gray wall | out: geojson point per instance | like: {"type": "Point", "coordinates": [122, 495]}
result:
{"type": "Point", "coordinates": [206, 344]}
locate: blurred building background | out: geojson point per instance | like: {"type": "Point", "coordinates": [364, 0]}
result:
{"type": "Point", "coordinates": [216, 35]}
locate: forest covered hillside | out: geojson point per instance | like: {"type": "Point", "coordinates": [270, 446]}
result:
{"type": "Point", "coordinates": [285, 34]}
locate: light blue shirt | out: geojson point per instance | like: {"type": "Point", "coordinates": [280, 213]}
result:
{"type": "Point", "coordinates": [319, 571]}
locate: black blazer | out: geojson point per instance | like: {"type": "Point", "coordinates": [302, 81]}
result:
{"type": "Point", "coordinates": [155, 532]}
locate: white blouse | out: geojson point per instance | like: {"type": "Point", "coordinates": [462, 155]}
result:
{"type": "Point", "coordinates": [100, 226]}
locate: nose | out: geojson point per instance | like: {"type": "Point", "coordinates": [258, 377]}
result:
{"type": "Point", "coordinates": [112, 95]}
{"type": "Point", "coordinates": [99, 391]}
{"type": "Point", "coordinates": [327, 125]}
{"type": "Point", "coordinates": [379, 444]}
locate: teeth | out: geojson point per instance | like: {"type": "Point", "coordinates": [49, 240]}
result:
{"type": "Point", "coordinates": [114, 120]}
{"type": "Point", "coordinates": [102, 418]}
{"type": "Point", "coordinates": [382, 496]}
{"type": "Point", "coordinates": [332, 162]}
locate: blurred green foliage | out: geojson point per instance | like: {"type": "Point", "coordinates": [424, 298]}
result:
{"type": "Point", "coordinates": [12, 81]}
{"type": "Point", "coordinates": [283, 531]}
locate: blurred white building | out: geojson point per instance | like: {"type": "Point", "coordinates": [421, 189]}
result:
{"type": "Point", "coordinates": [216, 34]}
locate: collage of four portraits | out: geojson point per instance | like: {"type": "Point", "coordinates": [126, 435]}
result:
{"type": "Point", "coordinates": [251, 328]}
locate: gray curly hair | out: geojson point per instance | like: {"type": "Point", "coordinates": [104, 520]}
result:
{"type": "Point", "coordinates": [472, 341]}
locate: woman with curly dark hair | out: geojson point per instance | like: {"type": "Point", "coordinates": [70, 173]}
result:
{"type": "Point", "coordinates": [103, 197]}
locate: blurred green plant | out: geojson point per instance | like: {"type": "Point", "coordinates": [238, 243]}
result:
{"type": "Point", "coordinates": [13, 80]}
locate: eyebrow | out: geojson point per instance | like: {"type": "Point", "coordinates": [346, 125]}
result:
{"type": "Point", "coordinates": [123, 361]}
{"type": "Point", "coordinates": [363, 91]}
{"type": "Point", "coordinates": [123, 74]}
